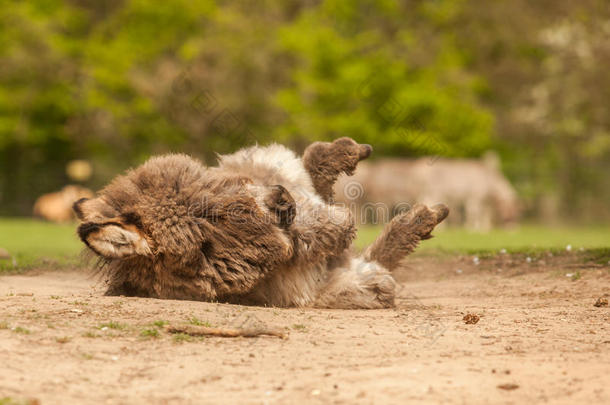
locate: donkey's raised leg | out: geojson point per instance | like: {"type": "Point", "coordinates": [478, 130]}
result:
{"type": "Point", "coordinates": [402, 235]}
{"type": "Point", "coordinates": [325, 161]}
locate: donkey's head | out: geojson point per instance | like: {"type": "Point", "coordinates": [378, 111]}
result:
{"type": "Point", "coordinates": [109, 233]}
{"type": "Point", "coordinates": [174, 209]}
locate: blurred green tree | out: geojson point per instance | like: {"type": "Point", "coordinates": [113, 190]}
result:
{"type": "Point", "coordinates": [367, 69]}
{"type": "Point", "coordinates": [38, 97]}
{"type": "Point", "coordinates": [118, 80]}
{"type": "Point", "coordinates": [546, 65]}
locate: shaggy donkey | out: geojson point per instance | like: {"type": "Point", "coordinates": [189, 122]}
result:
{"type": "Point", "coordinates": [260, 229]}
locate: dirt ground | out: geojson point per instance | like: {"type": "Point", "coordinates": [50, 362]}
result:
{"type": "Point", "coordinates": [539, 339]}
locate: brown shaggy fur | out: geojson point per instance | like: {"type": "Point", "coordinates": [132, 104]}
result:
{"type": "Point", "coordinates": [258, 229]}
{"type": "Point", "coordinates": [326, 161]}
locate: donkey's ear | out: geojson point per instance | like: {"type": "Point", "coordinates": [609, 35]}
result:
{"type": "Point", "coordinates": [93, 210]}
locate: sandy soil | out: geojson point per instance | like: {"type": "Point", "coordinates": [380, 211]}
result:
{"type": "Point", "coordinates": [539, 339]}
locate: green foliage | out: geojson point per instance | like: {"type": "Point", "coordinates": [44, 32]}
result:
{"type": "Point", "coordinates": [116, 81]}
{"type": "Point", "coordinates": [362, 78]}
{"type": "Point", "coordinates": [21, 330]}
{"type": "Point", "coordinates": [196, 321]}
{"type": "Point", "coordinates": [182, 337]}
{"type": "Point", "coordinates": [160, 323]}
{"type": "Point", "coordinates": [150, 333]}
{"type": "Point", "coordinates": [37, 96]}
{"type": "Point", "coordinates": [546, 64]}
{"type": "Point", "coordinates": [12, 401]}
{"type": "Point", "coordinates": [112, 325]}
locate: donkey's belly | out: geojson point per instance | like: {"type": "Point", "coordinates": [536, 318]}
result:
{"type": "Point", "coordinates": [294, 286]}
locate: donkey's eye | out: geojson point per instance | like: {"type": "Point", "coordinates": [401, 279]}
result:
{"type": "Point", "coordinates": [132, 218]}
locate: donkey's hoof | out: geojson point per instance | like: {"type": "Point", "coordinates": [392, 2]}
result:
{"type": "Point", "coordinates": [441, 211]}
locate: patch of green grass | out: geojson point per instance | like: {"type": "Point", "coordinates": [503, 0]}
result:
{"type": "Point", "coordinates": [599, 256]}
{"type": "Point", "coordinates": [90, 335]}
{"type": "Point", "coordinates": [298, 326]}
{"type": "Point", "coordinates": [182, 337]}
{"type": "Point", "coordinates": [199, 322]}
{"type": "Point", "coordinates": [526, 238]}
{"type": "Point", "coordinates": [112, 325]}
{"type": "Point", "coordinates": [160, 323]}
{"type": "Point", "coordinates": [150, 333]}
{"type": "Point", "coordinates": [38, 244]}
{"type": "Point", "coordinates": [87, 356]}
{"type": "Point", "coordinates": [44, 245]}
{"type": "Point", "coordinates": [13, 401]}
{"type": "Point", "coordinates": [21, 330]}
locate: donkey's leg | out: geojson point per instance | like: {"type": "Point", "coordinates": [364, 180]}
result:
{"type": "Point", "coordinates": [402, 235]}
{"type": "Point", "coordinates": [359, 284]}
{"type": "Point", "coordinates": [325, 161]}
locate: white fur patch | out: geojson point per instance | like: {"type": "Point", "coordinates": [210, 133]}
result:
{"type": "Point", "coordinates": [277, 159]}
{"type": "Point", "coordinates": [116, 242]}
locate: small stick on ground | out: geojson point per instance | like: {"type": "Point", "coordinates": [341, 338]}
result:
{"type": "Point", "coordinates": [194, 330]}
